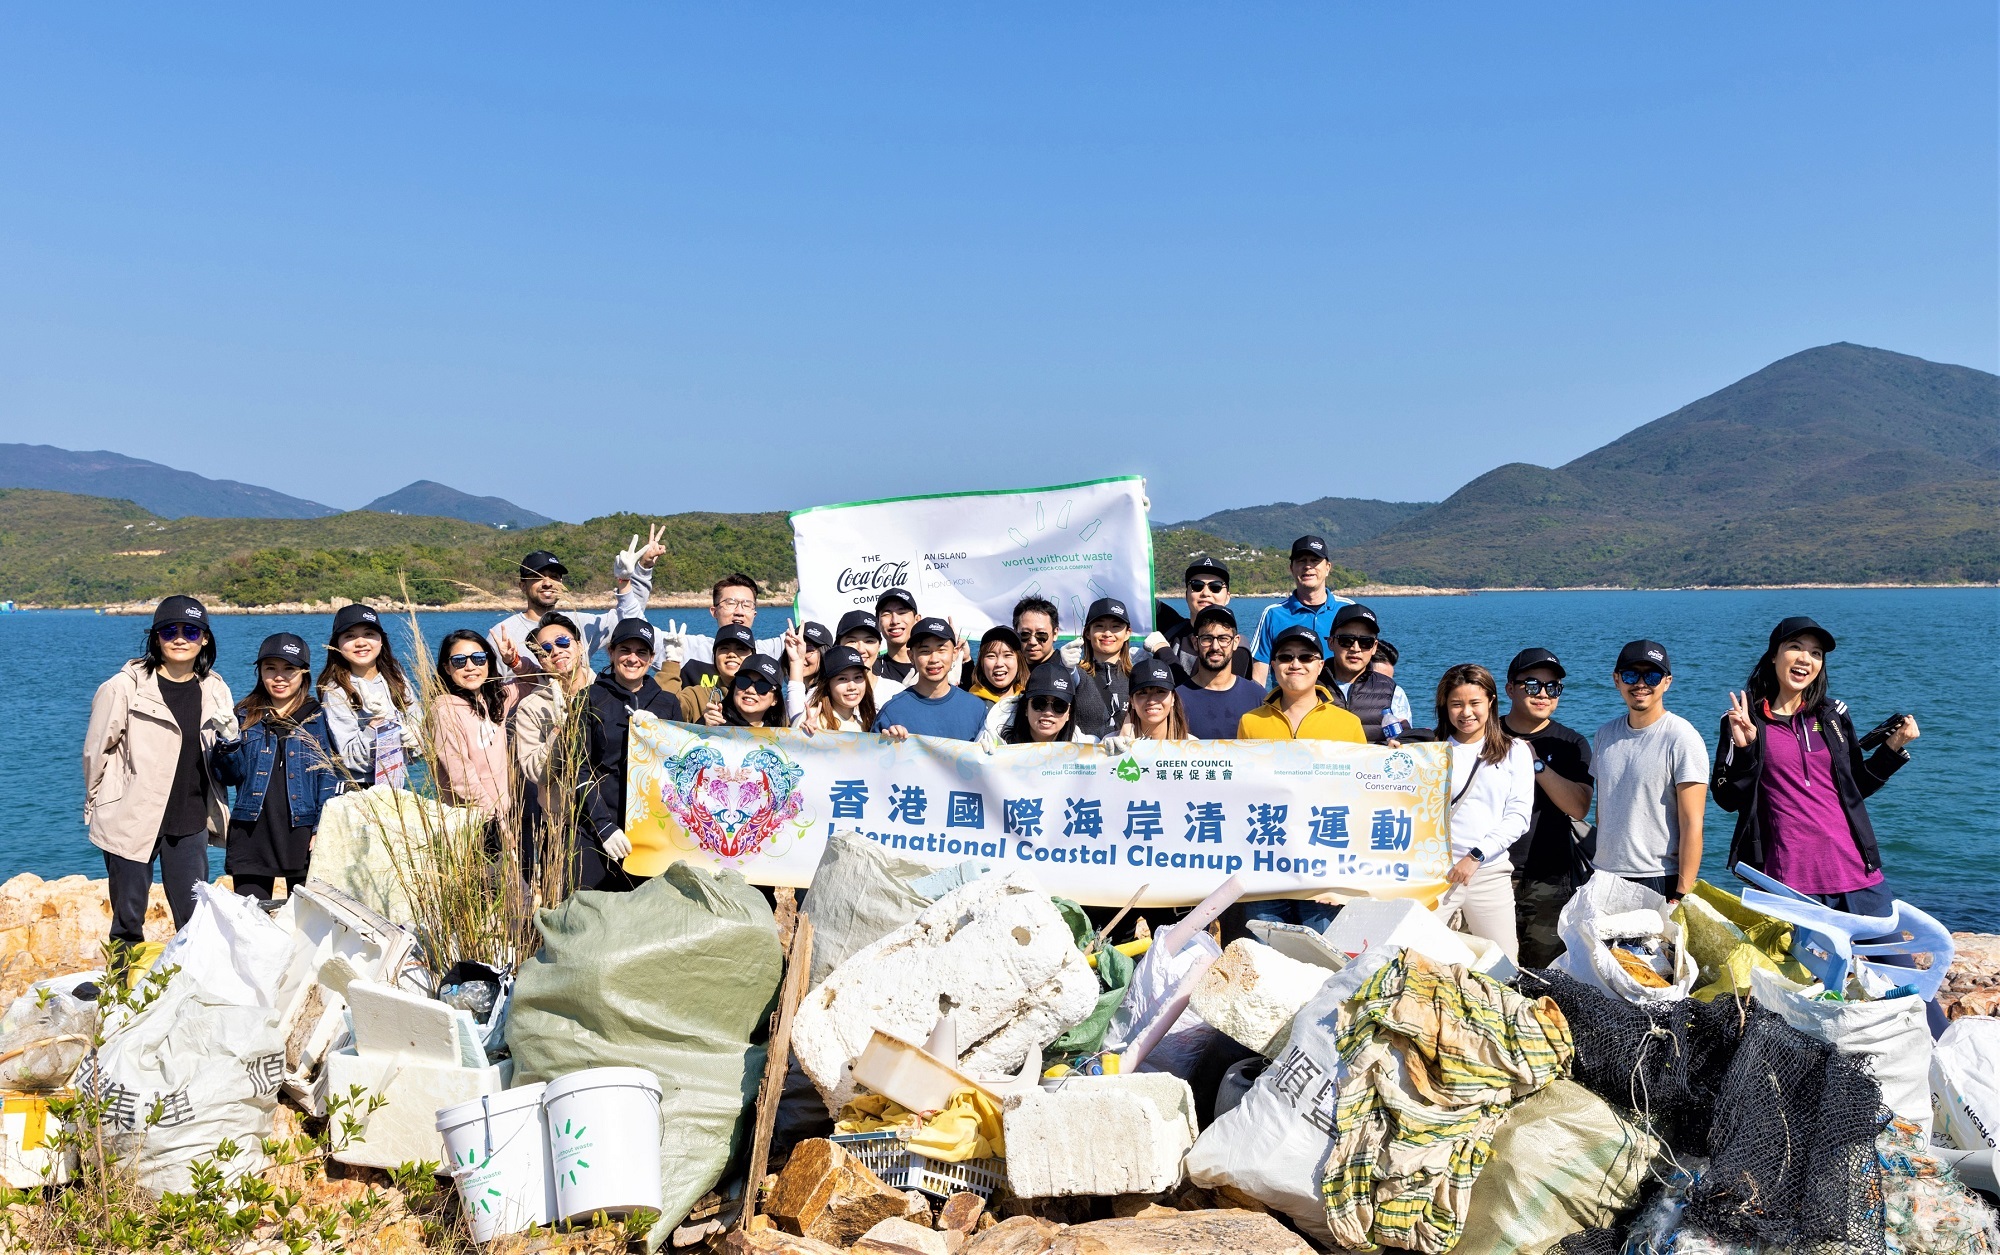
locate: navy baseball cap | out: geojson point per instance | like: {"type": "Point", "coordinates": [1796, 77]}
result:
{"type": "Point", "coordinates": [839, 658]}
{"type": "Point", "coordinates": [1206, 566]}
{"type": "Point", "coordinates": [286, 648]}
{"type": "Point", "coordinates": [353, 615]}
{"type": "Point", "coordinates": [735, 634]}
{"type": "Point", "coordinates": [1303, 635]}
{"type": "Point", "coordinates": [540, 563]}
{"type": "Point", "coordinates": [815, 635]}
{"type": "Point", "coordinates": [1529, 658]}
{"type": "Point", "coordinates": [1050, 681]}
{"type": "Point", "coordinates": [1643, 656]}
{"type": "Point", "coordinates": [857, 621]}
{"type": "Point", "coordinates": [760, 667]}
{"type": "Point", "coordinates": [932, 626]}
{"type": "Point", "coordinates": [1005, 635]}
{"type": "Point", "coordinates": [180, 608]}
{"type": "Point", "coordinates": [898, 593]}
{"type": "Point", "coordinates": [1107, 608]}
{"type": "Point", "coordinates": [1215, 614]}
{"type": "Point", "coordinates": [1800, 625]}
{"type": "Point", "coordinates": [631, 629]}
{"type": "Point", "coordinates": [1355, 612]}
{"type": "Point", "coordinates": [1152, 674]}
{"type": "Point", "coordinates": [1309, 547]}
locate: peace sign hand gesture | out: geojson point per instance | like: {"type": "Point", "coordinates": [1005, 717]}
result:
{"type": "Point", "coordinates": [653, 549]}
{"type": "Point", "coordinates": [1742, 728]}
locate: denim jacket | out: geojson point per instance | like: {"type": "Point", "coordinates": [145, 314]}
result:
{"type": "Point", "coordinates": [311, 776]}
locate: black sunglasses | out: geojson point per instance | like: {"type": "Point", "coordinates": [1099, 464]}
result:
{"type": "Point", "coordinates": [1207, 586]}
{"type": "Point", "coordinates": [1538, 688]}
{"type": "Point", "coordinates": [1650, 679]}
{"type": "Point", "coordinates": [477, 658]}
{"type": "Point", "coordinates": [179, 631]}
{"type": "Point", "coordinates": [1346, 641]}
{"type": "Point", "coordinates": [557, 642]}
{"type": "Point", "coordinates": [1297, 658]}
{"type": "Point", "coordinates": [1037, 636]}
{"type": "Point", "coordinates": [1047, 705]}
{"type": "Point", "coordinates": [754, 683]}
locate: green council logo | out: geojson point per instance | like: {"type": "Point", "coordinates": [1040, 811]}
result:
{"type": "Point", "coordinates": [1129, 771]}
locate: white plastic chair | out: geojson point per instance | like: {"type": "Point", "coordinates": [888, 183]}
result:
{"type": "Point", "coordinates": [1823, 939]}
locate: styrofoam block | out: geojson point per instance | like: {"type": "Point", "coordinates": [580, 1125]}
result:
{"type": "Point", "coordinates": [404, 1128]}
{"type": "Point", "coordinates": [1100, 1135]}
{"type": "Point", "coordinates": [1404, 922]}
{"type": "Point", "coordinates": [994, 954]}
{"type": "Point", "coordinates": [388, 1020]}
{"type": "Point", "coordinates": [1253, 992]}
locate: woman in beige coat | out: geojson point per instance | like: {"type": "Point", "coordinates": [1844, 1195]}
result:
{"type": "Point", "coordinates": [148, 792]}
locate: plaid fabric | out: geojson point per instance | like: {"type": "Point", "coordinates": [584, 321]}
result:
{"type": "Point", "coordinates": [1431, 1060]}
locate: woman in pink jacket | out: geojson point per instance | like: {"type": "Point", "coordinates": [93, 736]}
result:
{"type": "Point", "coordinates": [469, 722]}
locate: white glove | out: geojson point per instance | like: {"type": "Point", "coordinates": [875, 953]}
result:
{"type": "Point", "coordinates": [626, 564]}
{"type": "Point", "coordinates": [618, 845]}
{"type": "Point", "coordinates": [987, 741]}
{"type": "Point", "coordinates": [1156, 642]}
{"type": "Point", "coordinates": [673, 647]}
{"type": "Point", "coordinates": [1118, 746]}
{"type": "Point", "coordinates": [1072, 653]}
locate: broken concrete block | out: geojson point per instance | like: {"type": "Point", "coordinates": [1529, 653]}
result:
{"type": "Point", "coordinates": [1100, 1135]}
{"type": "Point", "coordinates": [404, 1128]}
{"type": "Point", "coordinates": [1253, 992]}
{"type": "Point", "coordinates": [995, 955]}
{"type": "Point", "coordinates": [900, 1237]}
{"type": "Point", "coordinates": [1016, 1235]}
{"type": "Point", "coordinates": [1183, 1233]}
{"type": "Point", "coordinates": [828, 1194]}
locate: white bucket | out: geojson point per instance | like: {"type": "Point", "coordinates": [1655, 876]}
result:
{"type": "Point", "coordinates": [498, 1152]}
{"type": "Point", "coordinates": [604, 1141]}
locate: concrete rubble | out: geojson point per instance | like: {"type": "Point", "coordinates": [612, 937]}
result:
{"type": "Point", "coordinates": [1253, 992]}
{"type": "Point", "coordinates": [1100, 1135]}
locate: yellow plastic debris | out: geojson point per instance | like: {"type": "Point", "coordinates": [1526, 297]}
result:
{"type": "Point", "coordinates": [967, 1128]}
{"type": "Point", "coordinates": [1730, 940]}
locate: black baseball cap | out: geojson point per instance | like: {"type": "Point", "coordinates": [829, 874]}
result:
{"type": "Point", "coordinates": [735, 634]}
{"type": "Point", "coordinates": [1385, 652]}
{"type": "Point", "coordinates": [287, 648]}
{"type": "Point", "coordinates": [1152, 674]}
{"type": "Point", "coordinates": [1799, 625]}
{"type": "Point", "coordinates": [839, 658]}
{"type": "Point", "coordinates": [540, 563]}
{"type": "Point", "coordinates": [815, 635]}
{"type": "Point", "coordinates": [1303, 634]}
{"type": "Point", "coordinates": [1107, 608]}
{"type": "Point", "coordinates": [855, 621]}
{"type": "Point", "coordinates": [1002, 633]}
{"type": "Point", "coordinates": [1215, 614]}
{"type": "Point", "coordinates": [1643, 655]}
{"type": "Point", "coordinates": [1206, 566]}
{"type": "Point", "coordinates": [631, 629]}
{"type": "Point", "coordinates": [180, 608]}
{"type": "Point", "coordinates": [760, 667]}
{"type": "Point", "coordinates": [1534, 658]}
{"type": "Point", "coordinates": [1355, 612]}
{"type": "Point", "coordinates": [1309, 547]}
{"type": "Point", "coordinates": [353, 615]}
{"type": "Point", "coordinates": [898, 593]}
{"type": "Point", "coordinates": [932, 626]}
{"type": "Point", "coordinates": [1050, 681]}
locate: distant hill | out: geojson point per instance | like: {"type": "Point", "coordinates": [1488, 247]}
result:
{"type": "Point", "coordinates": [428, 497]}
{"type": "Point", "coordinates": [160, 489]}
{"type": "Point", "coordinates": [1841, 464]}
{"type": "Point", "coordinates": [1339, 520]}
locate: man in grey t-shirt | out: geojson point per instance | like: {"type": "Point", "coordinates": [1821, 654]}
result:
{"type": "Point", "coordinates": [1652, 780]}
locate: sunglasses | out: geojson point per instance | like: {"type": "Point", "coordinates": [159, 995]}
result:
{"type": "Point", "coordinates": [1207, 586]}
{"type": "Point", "coordinates": [1546, 688]}
{"type": "Point", "coordinates": [1047, 705]}
{"type": "Point", "coordinates": [1650, 679]}
{"type": "Point", "coordinates": [1354, 642]}
{"type": "Point", "coordinates": [179, 632]}
{"type": "Point", "coordinates": [1298, 658]}
{"type": "Point", "coordinates": [1037, 637]}
{"type": "Point", "coordinates": [558, 642]}
{"type": "Point", "coordinates": [477, 658]}
{"type": "Point", "coordinates": [754, 684]}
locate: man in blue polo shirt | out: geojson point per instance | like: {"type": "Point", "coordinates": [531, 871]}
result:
{"type": "Point", "coordinates": [1308, 605]}
{"type": "Point", "coordinates": [932, 705]}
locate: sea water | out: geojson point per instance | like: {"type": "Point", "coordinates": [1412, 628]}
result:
{"type": "Point", "coordinates": [1928, 652]}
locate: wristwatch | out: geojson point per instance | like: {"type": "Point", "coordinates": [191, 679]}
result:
{"type": "Point", "coordinates": [1477, 856]}
{"type": "Point", "coordinates": [1540, 766]}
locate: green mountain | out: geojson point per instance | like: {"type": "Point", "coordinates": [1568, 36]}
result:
{"type": "Point", "coordinates": [1841, 464]}
{"type": "Point", "coordinates": [161, 489]}
{"type": "Point", "coordinates": [428, 497]}
{"type": "Point", "coordinates": [1339, 520]}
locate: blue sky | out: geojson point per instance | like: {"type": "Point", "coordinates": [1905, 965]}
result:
{"type": "Point", "coordinates": [758, 257]}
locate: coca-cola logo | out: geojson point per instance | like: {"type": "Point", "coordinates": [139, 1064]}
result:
{"type": "Point", "coordinates": [873, 579]}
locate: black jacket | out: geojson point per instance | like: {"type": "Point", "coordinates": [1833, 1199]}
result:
{"type": "Point", "coordinates": [1738, 781]}
{"type": "Point", "coordinates": [607, 718]}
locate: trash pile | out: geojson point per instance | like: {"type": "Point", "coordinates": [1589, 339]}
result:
{"type": "Point", "coordinates": [956, 1062]}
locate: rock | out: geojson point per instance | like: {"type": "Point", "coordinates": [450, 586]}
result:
{"type": "Point", "coordinates": [1181, 1233]}
{"type": "Point", "coordinates": [1972, 985]}
{"type": "Point", "coordinates": [900, 1237]}
{"type": "Point", "coordinates": [994, 954]}
{"type": "Point", "coordinates": [773, 1242]}
{"type": "Point", "coordinates": [1252, 992]}
{"type": "Point", "coordinates": [961, 1212]}
{"type": "Point", "coordinates": [56, 927]}
{"type": "Point", "coordinates": [1100, 1135]}
{"type": "Point", "coordinates": [1016, 1235]}
{"type": "Point", "coordinates": [828, 1194]}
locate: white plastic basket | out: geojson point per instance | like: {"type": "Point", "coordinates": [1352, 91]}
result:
{"type": "Point", "coordinates": [889, 1156]}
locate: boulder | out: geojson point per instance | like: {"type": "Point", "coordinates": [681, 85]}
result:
{"type": "Point", "coordinates": [994, 954]}
{"type": "Point", "coordinates": [900, 1237]}
{"type": "Point", "coordinates": [1016, 1235]}
{"type": "Point", "coordinates": [1182, 1233]}
{"type": "Point", "coordinates": [961, 1213]}
{"type": "Point", "coordinates": [775, 1242]}
{"type": "Point", "coordinates": [1100, 1135]}
{"type": "Point", "coordinates": [1972, 985]}
{"type": "Point", "coordinates": [1252, 992]}
{"type": "Point", "coordinates": [56, 927]}
{"type": "Point", "coordinates": [827, 1194]}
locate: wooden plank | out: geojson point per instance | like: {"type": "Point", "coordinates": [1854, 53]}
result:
{"type": "Point", "coordinates": [777, 1060]}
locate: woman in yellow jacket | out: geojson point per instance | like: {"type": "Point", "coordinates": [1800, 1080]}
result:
{"type": "Point", "coordinates": [1298, 709]}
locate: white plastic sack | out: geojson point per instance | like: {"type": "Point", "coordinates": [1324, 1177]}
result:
{"type": "Point", "coordinates": [1154, 983]}
{"type": "Point", "coordinates": [1891, 1037]}
{"type": "Point", "coordinates": [1965, 1084]}
{"type": "Point", "coordinates": [197, 1067]}
{"type": "Point", "coordinates": [1274, 1146]}
{"type": "Point", "coordinates": [44, 1035]}
{"type": "Point", "coordinates": [1584, 925]}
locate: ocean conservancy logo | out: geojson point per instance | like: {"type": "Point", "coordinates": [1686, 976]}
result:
{"type": "Point", "coordinates": [1398, 766]}
{"type": "Point", "coordinates": [872, 579]}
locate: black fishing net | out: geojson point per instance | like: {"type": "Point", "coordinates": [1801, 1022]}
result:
{"type": "Point", "coordinates": [1591, 1242]}
{"type": "Point", "coordinates": [1664, 1061]}
{"type": "Point", "coordinates": [1792, 1150]}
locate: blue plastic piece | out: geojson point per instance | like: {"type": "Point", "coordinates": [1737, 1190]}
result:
{"type": "Point", "coordinates": [1823, 939]}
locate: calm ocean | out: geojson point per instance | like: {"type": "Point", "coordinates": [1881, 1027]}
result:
{"type": "Point", "coordinates": [1931, 652]}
